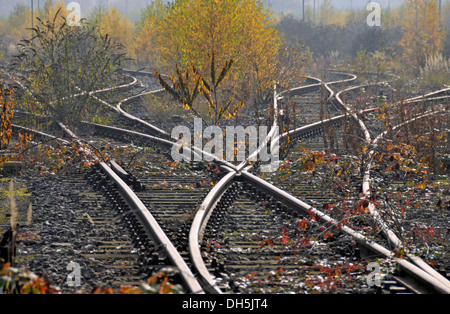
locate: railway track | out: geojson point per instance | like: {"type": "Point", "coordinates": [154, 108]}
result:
{"type": "Point", "coordinates": [256, 246]}
{"type": "Point", "coordinates": [310, 133]}
{"type": "Point", "coordinates": [366, 189]}
{"type": "Point", "coordinates": [172, 189]}
{"type": "Point", "coordinates": [250, 206]}
{"type": "Point", "coordinates": [91, 236]}
{"type": "Point", "coordinates": [139, 248]}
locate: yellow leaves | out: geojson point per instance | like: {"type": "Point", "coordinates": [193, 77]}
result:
{"type": "Point", "coordinates": [118, 27]}
{"type": "Point", "coordinates": [441, 136]}
{"type": "Point", "coordinates": [145, 49]}
{"type": "Point", "coordinates": [24, 139]}
{"type": "Point", "coordinates": [17, 24]}
{"type": "Point", "coordinates": [58, 7]}
{"type": "Point", "coordinates": [130, 290]}
{"type": "Point", "coordinates": [7, 104]}
{"type": "Point", "coordinates": [400, 253]}
{"type": "Point", "coordinates": [422, 185]}
{"type": "Point", "coordinates": [193, 29]}
{"type": "Point", "coordinates": [422, 32]}
{"type": "Point", "coordinates": [319, 157]}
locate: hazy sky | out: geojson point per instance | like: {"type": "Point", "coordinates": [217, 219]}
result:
{"type": "Point", "coordinates": [278, 5]}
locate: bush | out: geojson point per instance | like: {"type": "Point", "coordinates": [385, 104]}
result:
{"type": "Point", "coordinates": [435, 73]}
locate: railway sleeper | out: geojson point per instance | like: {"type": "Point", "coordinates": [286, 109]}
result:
{"type": "Point", "coordinates": [151, 258]}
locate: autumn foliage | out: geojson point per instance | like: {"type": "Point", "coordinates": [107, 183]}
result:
{"type": "Point", "coordinates": [15, 280]}
{"type": "Point", "coordinates": [233, 46]}
{"type": "Point", "coordinates": [7, 104]}
{"type": "Point", "coordinates": [422, 32]}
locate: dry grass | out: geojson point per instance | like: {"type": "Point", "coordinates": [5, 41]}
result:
{"type": "Point", "coordinates": [435, 73]}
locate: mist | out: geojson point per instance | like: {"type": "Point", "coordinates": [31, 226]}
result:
{"type": "Point", "coordinates": [132, 7]}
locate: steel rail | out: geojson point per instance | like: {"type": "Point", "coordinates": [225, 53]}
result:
{"type": "Point", "coordinates": [196, 151]}
{"type": "Point", "coordinates": [148, 222]}
{"type": "Point", "coordinates": [205, 212]}
{"type": "Point", "coordinates": [221, 187]}
{"type": "Point", "coordinates": [275, 137]}
{"type": "Point", "coordinates": [82, 93]}
{"type": "Point", "coordinates": [301, 89]}
{"type": "Point", "coordinates": [202, 214]}
{"type": "Point", "coordinates": [212, 199]}
{"type": "Point", "coordinates": [429, 95]}
{"type": "Point", "coordinates": [201, 217]}
{"type": "Point", "coordinates": [305, 209]}
{"type": "Point", "coordinates": [118, 107]}
{"type": "Point", "coordinates": [150, 225]}
{"type": "Point", "coordinates": [173, 146]}
{"type": "Point", "coordinates": [317, 127]}
{"type": "Point", "coordinates": [200, 220]}
{"type": "Point", "coordinates": [40, 134]}
{"type": "Point", "coordinates": [418, 271]}
{"type": "Point", "coordinates": [390, 235]}
{"type": "Point", "coordinates": [214, 196]}
{"type": "Point", "coordinates": [153, 230]}
{"type": "Point", "coordinates": [272, 134]}
{"type": "Point", "coordinates": [137, 135]}
{"type": "Point", "coordinates": [208, 205]}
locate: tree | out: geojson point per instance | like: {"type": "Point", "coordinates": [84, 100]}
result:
{"type": "Point", "coordinates": [189, 84]}
{"type": "Point", "coordinates": [51, 9]}
{"type": "Point", "coordinates": [17, 24]}
{"type": "Point", "coordinates": [117, 26]}
{"type": "Point", "coordinates": [208, 34]}
{"type": "Point", "coordinates": [367, 63]}
{"type": "Point", "coordinates": [65, 63]}
{"type": "Point", "coordinates": [145, 49]}
{"type": "Point", "coordinates": [97, 15]}
{"type": "Point", "coordinates": [422, 32]}
{"type": "Point", "coordinates": [211, 92]}
{"type": "Point", "coordinates": [326, 12]}
{"type": "Point", "coordinates": [156, 10]}
{"type": "Point", "coordinates": [186, 86]}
